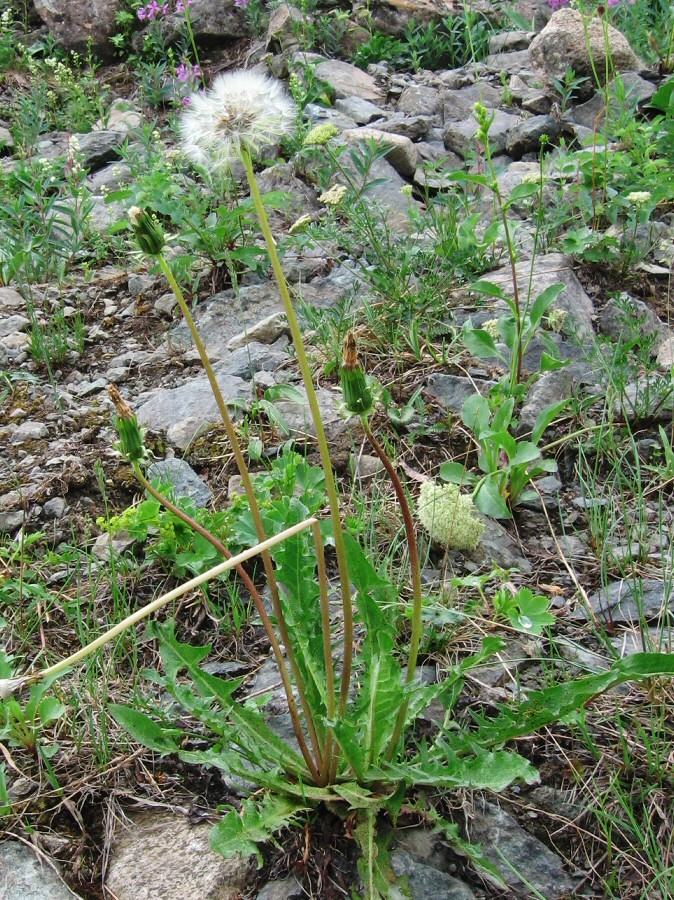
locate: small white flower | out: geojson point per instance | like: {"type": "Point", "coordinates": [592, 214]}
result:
{"type": "Point", "coordinates": [639, 197]}
{"type": "Point", "coordinates": [491, 327]}
{"type": "Point", "coordinates": [334, 196]}
{"type": "Point", "coordinates": [241, 111]}
{"type": "Point", "coordinates": [300, 224]}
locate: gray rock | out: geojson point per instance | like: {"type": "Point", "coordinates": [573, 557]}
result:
{"type": "Point", "coordinates": [458, 104]}
{"type": "Point", "coordinates": [514, 61]}
{"type": "Point", "coordinates": [212, 21]}
{"type": "Point", "coordinates": [498, 547]}
{"type": "Point", "coordinates": [361, 111]}
{"type": "Point", "coordinates": [29, 431]}
{"type": "Point", "coordinates": [99, 148]}
{"type": "Point", "coordinates": [284, 27]}
{"type": "Point", "coordinates": [630, 641]}
{"type": "Point", "coordinates": [665, 357]}
{"type": "Point", "coordinates": [505, 41]}
{"type": "Point", "coordinates": [452, 390]}
{"type": "Point", "coordinates": [184, 411]}
{"type": "Point", "coordinates": [10, 520]}
{"type": "Point", "coordinates": [301, 198]}
{"type": "Point", "coordinates": [427, 883]}
{"type": "Point", "coordinates": [183, 478]}
{"type": "Point", "coordinates": [109, 178]}
{"type": "Point", "coordinates": [122, 116]}
{"type": "Point", "coordinates": [25, 876]}
{"type": "Point", "coordinates": [10, 300]}
{"type": "Point", "coordinates": [551, 387]}
{"type": "Point", "coordinates": [567, 41]}
{"type": "Point", "coordinates": [460, 136]}
{"type": "Point", "coordinates": [412, 127]}
{"type": "Point", "coordinates": [628, 601]}
{"type": "Point", "coordinates": [55, 508]}
{"type": "Point", "coordinates": [297, 415]}
{"type": "Point", "coordinates": [403, 155]}
{"type": "Point", "coordinates": [106, 545]}
{"type": "Point", "coordinates": [255, 357]}
{"type": "Point", "coordinates": [163, 857]}
{"type": "Point", "coordinates": [282, 889]}
{"type": "Point", "coordinates": [348, 81]}
{"type": "Point", "coordinates": [533, 861]}
{"type": "Point", "coordinates": [319, 115]}
{"type": "Point", "coordinates": [76, 22]}
{"type": "Point", "coordinates": [627, 314]}
{"type": "Point", "coordinates": [6, 139]}
{"type": "Point", "coordinates": [420, 100]}
{"type": "Point", "coordinates": [266, 331]}
{"type": "Point", "coordinates": [526, 137]}
{"type": "Point", "coordinates": [13, 324]}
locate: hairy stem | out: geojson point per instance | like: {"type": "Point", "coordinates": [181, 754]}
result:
{"type": "Point", "coordinates": [417, 600]}
{"type": "Point", "coordinates": [266, 622]}
{"type": "Point", "coordinates": [305, 369]}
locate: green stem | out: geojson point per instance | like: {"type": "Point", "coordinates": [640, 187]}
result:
{"type": "Point", "coordinates": [417, 601]}
{"type": "Point", "coordinates": [190, 31]}
{"type": "Point", "coordinates": [227, 421]}
{"type": "Point", "coordinates": [266, 622]}
{"type": "Point", "coordinates": [305, 369]}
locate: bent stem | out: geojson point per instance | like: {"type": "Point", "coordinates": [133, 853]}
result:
{"type": "Point", "coordinates": [227, 422]}
{"type": "Point", "coordinates": [266, 622]}
{"type": "Point", "coordinates": [305, 369]}
{"type": "Point", "coordinates": [14, 684]}
{"type": "Point", "coordinates": [417, 600]}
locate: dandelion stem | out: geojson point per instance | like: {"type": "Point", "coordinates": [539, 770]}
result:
{"type": "Point", "coordinates": [417, 600]}
{"type": "Point", "coordinates": [266, 622]}
{"type": "Point", "coordinates": [227, 422]}
{"type": "Point", "coordinates": [305, 369]}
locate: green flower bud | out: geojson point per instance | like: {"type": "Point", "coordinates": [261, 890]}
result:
{"type": "Point", "coordinates": [320, 134]}
{"type": "Point", "coordinates": [484, 121]}
{"type": "Point", "coordinates": [358, 398]}
{"type": "Point", "coordinates": [148, 233]}
{"type": "Point", "coordinates": [130, 436]}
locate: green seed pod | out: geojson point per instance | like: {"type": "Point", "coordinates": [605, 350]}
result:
{"type": "Point", "coordinates": [148, 233]}
{"type": "Point", "coordinates": [357, 395]}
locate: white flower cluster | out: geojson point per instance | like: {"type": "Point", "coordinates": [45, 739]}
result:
{"type": "Point", "coordinates": [491, 327]}
{"type": "Point", "coordinates": [639, 197]}
{"type": "Point", "coordinates": [334, 196]}
{"type": "Point", "coordinates": [557, 319]}
{"type": "Point", "coordinates": [449, 516]}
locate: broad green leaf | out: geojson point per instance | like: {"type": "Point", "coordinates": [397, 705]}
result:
{"type": "Point", "coordinates": [471, 179]}
{"type": "Point", "coordinates": [489, 500]}
{"type": "Point", "coordinates": [663, 98]}
{"type": "Point", "coordinates": [144, 729]}
{"type": "Point", "coordinates": [544, 301]}
{"type": "Point", "coordinates": [552, 363]}
{"type": "Point", "coordinates": [50, 709]}
{"type": "Point", "coordinates": [284, 392]}
{"type": "Point", "coordinates": [480, 343]}
{"type": "Point", "coordinates": [503, 415]}
{"type": "Point", "coordinates": [489, 289]}
{"type": "Point", "coordinates": [526, 452]}
{"type": "Point", "coordinates": [475, 413]}
{"type": "Point", "coordinates": [239, 833]}
{"type": "Point", "coordinates": [456, 473]}
{"type": "Point", "coordinates": [522, 192]}
{"type": "Point", "coordinates": [545, 418]}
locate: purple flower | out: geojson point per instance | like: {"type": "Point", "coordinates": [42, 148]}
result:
{"type": "Point", "coordinates": [152, 9]}
{"type": "Point", "coordinates": [557, 4]}
{"type": "Point", "coordinates": [196, 71]}
{"type": "Point", "coordinates": [182, 72]}
{"type": "Point", "coordinates": [142, 13]}
{"type": "Point", "coordinates": [242, 4]}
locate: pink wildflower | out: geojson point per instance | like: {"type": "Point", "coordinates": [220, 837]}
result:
{"type": "Point", "coordinates": [242, 4]}
{"type": "Point", "coordinates": [142, 13]}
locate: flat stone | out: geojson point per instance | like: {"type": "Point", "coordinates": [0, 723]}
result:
{"type": "Point", "coordinates": [427, 883]}
{"type": "Point", "coordinates": [361, 111]}
{"type": "Point", "coordinates": [297, 415]}
{"type": "Point", "coordinates": [13, 324]}
{"type": "Point", "coordinates": [461, 136]}
{"type": "Point", "coordinates": [183, 478]}
{"type": "Point", "coordinates": [29, 431]}
{"type": "Point", "coordinates": [23, 876]}
{"type": "Point", "coordinates": [99, 148]}
{"type": "Point", "coordinates": [348, 81]}
{"type": "Point", "coordinates": [498, 547]}
{"type": "Point", "coordinates": [10, 300]}
{"type": "Point", "coordinates": [266, 331]}
{"type": "Point", "coordinates": [55, 508]}
{"type": "Point", "coordinates": [10, 521]}
{"type": "Point", "coordinates": [538, 866]}
{"type": "Point", "coordinates": [412, 127]}
{"type": "Point", "coordinates": [403, 155]}
{"type": "Point", "coordinates": [665, 357]}
{"type": "Point", "coordinates": [627, 602]}
{"type": "Point", "coordinates": [282, 889]}
{"type": "Point", "coordinates": [106, 545]}
{"type": "Point", "coordinates": [632, 641]}
{"type": "Point", "coordinates": [418, 99]}
{"type": "Point", "coordinates": [184, 411]}
{"type": "Point", "coordinates": [162, 857]}
{"type": "Point", "coordinates": [526, 137]}
{"type": "Point", "coordinates": [628, 313]}
{"type": "Point", "coordinates": [453, 390]}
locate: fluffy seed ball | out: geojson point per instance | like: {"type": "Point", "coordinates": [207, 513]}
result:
{"type": "Point", "coordinates": [449, 516]}
{"type": "Point", "coordinates": [242, 110]}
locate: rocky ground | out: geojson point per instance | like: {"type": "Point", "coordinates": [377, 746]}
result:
{"type": "Point", "coordinates": [115, 821]}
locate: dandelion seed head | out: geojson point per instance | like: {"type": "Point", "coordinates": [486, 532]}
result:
{"type": "Point", "coordinates": [241, 111]}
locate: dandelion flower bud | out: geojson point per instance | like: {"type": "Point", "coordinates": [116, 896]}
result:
{"type": "Point", "coordinates": [358, 398]}
{"type": "Point", "coordinates": [9, 686]}
{"type": "Point", "coordinates": [148, 233]}
{"type": "Point", "coordinates": [334, 196]}
{"type": "Point", "coordinates": [320, 134]}
{"type": "Point", "coordinates": [449, 516]}
{"type": "Point", "coordinates": [130, 435]}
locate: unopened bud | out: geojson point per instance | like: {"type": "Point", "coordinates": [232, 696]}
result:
{"type": "Point", "coordinates": [357, 395]}
{"type": "Point", "coordinates": [130, 435]}
{"type": "Point", "coordinates": [148, 233]}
